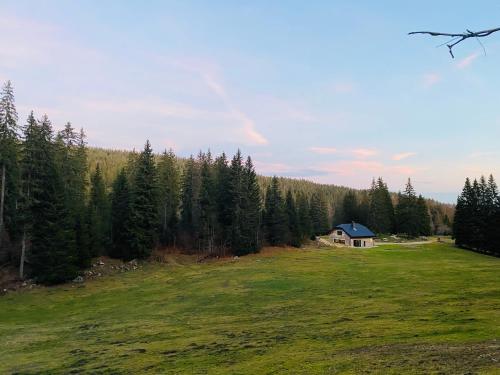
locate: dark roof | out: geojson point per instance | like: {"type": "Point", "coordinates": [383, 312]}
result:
{"type": "Point", "coordinates": [355, 230]}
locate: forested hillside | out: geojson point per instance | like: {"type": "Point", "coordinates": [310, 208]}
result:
{"type": "Point", "coordinates": [112, 161]}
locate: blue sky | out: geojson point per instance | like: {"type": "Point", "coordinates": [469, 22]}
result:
{"type": "Point", "coordinates": [332, 91]}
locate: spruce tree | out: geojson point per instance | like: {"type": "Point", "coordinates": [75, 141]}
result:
{"type": "Point", "coordinates": [406, 212]}
{"type": "Point", "coordinates": [52, 237]}
{"type": "Point", "coordinates": [222, 178]}
{"type": "Point", "coordinates": [275, 219]}
{"type": "Point", "coordinates": [381, 211]}
{"type": "Point", "coordinates": [207, 202]}
{"type": "Point", "coordinates": [319, 215]}
{"type": "Point", "coordinates": [190, 213]}
{"type": "Point", "coordinates": [424, 220]}
{"type": "Point", "coordinates": [144, 206]}
{"type": "Point", "coordinates": [168, 188]}
{"type": "Point", "coordinates": [237, 197]}
{"type": "Point", "coordinates": [350, 207]}
{"type": "Point", "coordinates": [73, 166]}
{"type": "Point", "coordinates": [304, 215]}
{"type": "Point", "coordinates": [9, 167]}
{"type": "Point", "coordinates": [98, 218]}
{"type": "Point", "coordinates": [492, 236]}
{"type": "Point", "coordinates": [121, 237]}
{"type": "Point", "coordinates": [295, 238]}
{"type": "Point", "coordinates": [251, 212]}
{"type": "Point", "coordinates": [463, 216]}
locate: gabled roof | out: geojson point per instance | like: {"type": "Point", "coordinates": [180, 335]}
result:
{"type": "Point", "coordinates": [355, 230]}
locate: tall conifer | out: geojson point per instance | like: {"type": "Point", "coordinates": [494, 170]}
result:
{"type": "Point", "coordinates": [144, 206]}
{"type": "Point", "coordinates": [168, 187]}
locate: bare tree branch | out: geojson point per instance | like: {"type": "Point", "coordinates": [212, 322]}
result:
{"type": "Point", "coordinates": [459, 37]}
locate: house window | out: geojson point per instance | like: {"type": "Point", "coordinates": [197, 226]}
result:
{"type": "Point", "coordinates": [342, 241]}
{"type": "Point", "coordinates": [357, 243]}
{"type": "Point", "coordinates": [339, 233]}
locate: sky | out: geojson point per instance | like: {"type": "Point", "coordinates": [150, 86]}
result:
{"type": "Point", "coordinates": [329, 91]}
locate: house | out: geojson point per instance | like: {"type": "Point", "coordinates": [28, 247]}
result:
{"type": "Point", "coordinates": [353, 235]}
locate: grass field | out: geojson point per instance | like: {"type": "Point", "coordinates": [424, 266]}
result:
{"type": "Point", "coordinates": [424, 309]}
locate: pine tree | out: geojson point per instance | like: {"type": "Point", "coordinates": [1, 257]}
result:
{"type": "Point", "coordinates": [293, 221]}
{"type": "Point", "coordinates": [52, 252]}
{"type": "Point", "coordinates": [121, 237]}
{"type": "Point", "coordinates": [169, 186]}
{"type": "Point", "coordinates": [98, 218]}
{"type": "Point", "coordinates": [144, 206]}
{"type": "Point", "coordinates": [275, 219]}
{"type": "Point", "coordinates": [9, 167]}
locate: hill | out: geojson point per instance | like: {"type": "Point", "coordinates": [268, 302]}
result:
{"type": "Point", "coordinates": [423, 309]}
{"type": "Point", "coordinates": [111, 161]}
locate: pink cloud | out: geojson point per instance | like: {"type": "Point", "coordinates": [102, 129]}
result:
{"type": "Point", "coordinates": [352, 167]}
{"type": "Point", "coordinates": [467, 61]}
{"type": "Point", "coordinates": [251, 135]}
{"type": "Point", "coordinates": [368, 168]}
{"type": "Point", "coordinates": [324, 150]}
{"type": "Point", "coordinates": [363, 153]}
{"type": "Point", "coordinates": [403, 155]}
{"type": "Point", "coordinates": [430, 79]}
{"type": "Point", "coordinates": [272, 168]}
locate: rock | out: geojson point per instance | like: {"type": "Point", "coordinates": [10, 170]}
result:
{"type": "Point", "coordinates": [236, 257]}
{"type": "Point", "coordinates": [101, 263]}
{"type": "Point", "coordinates": [78, 279]}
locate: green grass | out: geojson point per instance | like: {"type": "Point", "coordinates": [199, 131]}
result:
{"type": "Point", "coordinates": [424, 309]}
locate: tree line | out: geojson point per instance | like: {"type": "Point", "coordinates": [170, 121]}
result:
{"type": "Point", "coordinates": [477, 216]}
{"type": "Point", "coordinates": [410, 215]}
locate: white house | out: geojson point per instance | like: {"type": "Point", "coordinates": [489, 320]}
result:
{"type": "Point", "coordinates": [353, 235]}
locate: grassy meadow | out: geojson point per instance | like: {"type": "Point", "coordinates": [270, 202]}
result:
{"type": "Point", "coordinates": [391, 309]}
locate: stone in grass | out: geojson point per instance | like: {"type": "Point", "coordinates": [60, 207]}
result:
{"type": "Point", "coordinates": [78, 279]}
